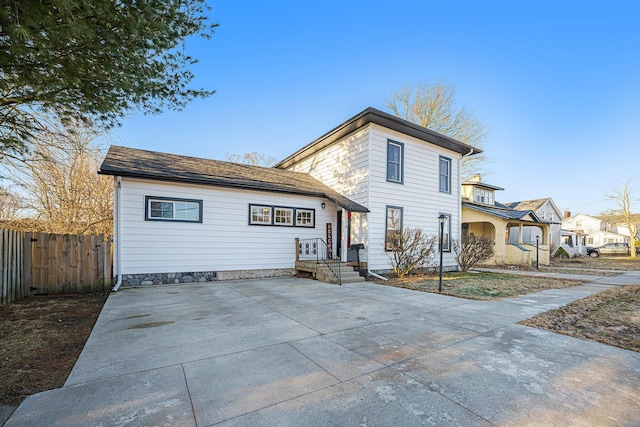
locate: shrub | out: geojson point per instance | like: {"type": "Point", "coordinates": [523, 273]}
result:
{"type": "Point", "coordinates": [471, 249]}
{"type": "Point", "coordinates": [411, 250]}
{"type": "Point", "coordinates": [561, 253]}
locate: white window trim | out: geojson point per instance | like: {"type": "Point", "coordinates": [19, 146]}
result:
{"type": "Point", "coordinates": [313, 218]}
{"type": "Point", "coordinates": [291, 215]}
{"type": "Point", "coordinates": [272, 216]}
{"type": "Point", "coordinates": [258, 222]}
{"type": "Point", "coordinates": [173, 200]}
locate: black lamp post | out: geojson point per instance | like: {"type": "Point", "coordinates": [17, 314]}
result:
{"type": "Point", "coordinates": [442, 218]}
{"type": "Point", "coordinates": [537, 254]}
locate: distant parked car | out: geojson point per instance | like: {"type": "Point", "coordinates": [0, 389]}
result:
{"type": "Point", "coordinates": [620, 249]}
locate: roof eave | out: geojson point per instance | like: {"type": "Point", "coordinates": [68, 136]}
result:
{"type": "Point", "coordinates": [212, 183]}
{"type": "Point", "coordinates": [372, 115]}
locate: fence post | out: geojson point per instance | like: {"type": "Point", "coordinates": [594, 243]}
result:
{"type": "Point", "coordinates": [27, 263]}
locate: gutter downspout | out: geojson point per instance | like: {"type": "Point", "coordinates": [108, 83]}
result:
{"type": "Point", "coordinates": [118, 225]}
{"type": "Point", "coordinates": [460, 194]}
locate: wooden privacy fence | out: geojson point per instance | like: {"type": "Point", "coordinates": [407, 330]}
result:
{"type": "Point", "coordinates": [12, 281]}
{"type": "Point", "coordinates": [42, 263]}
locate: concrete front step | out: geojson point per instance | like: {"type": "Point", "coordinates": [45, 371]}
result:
{"type": "Point", "coordinates": [323, 273]}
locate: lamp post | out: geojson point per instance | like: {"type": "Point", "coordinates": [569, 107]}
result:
{"type": "Point", "coordinates": [537, 254]}
{"type": "Point", "coordinates": [442, 218]}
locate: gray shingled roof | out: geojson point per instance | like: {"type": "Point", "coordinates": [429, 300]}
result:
{"type": "Point", "coordinates": [533, 205]}
{"type": "Point", "coordinates": [134, 163]}
{"type": "Point", "coordinates": [372, 115]}
{"type": "Point", "coordinates": [502, 212]}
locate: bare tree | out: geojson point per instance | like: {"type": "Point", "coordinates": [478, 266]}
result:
{"type": "Point", "coordinates": [62, 191]}
{"type": "Point", "coordinates": [411, 250]}
{"type": "Point", "coordinates": [623, 197]}
{"type": "Point", "coordinates": [471, 250]}
{"type": "Point", "coordinates": [10, 204]}
{"type": "Point", "coordinates": [254, 158]}
{"type": "Point", "coordinates": [433, 106]}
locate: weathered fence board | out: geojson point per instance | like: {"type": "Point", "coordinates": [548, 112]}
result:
{"type": "Point", "coordinates": [44, 263]}
{"type": "Point", "coordinates": [12, 283]}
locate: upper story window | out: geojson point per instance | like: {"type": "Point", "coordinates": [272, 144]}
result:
{"type": "Point", "coordinates": [169, 209]}
{"type": "Point", "coordinates": [482, 195]}
{"type": "Point", "coordinates": [395, 161]}
{"type": "Point", "coordinates": [445, 174]}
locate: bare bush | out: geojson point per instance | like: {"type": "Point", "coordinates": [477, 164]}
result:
{"type": "Point", "coordinates": [411, 250]}
{"type": "Point", "coordinates": [471, 249]}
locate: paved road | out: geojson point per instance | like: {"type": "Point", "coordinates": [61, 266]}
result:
{"type": "Point", "coordinates": [297, 352]}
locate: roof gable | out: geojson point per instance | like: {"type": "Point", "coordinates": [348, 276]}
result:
{"type": "Point", "coordinates": [134, 163]}
{"type": "Point", "coordinates": [372, 115]}
{"type": "Point", "coordinates": [502, 211]}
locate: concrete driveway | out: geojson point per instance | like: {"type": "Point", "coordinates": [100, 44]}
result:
{"type": "Point", "coordinates": [296, 352]}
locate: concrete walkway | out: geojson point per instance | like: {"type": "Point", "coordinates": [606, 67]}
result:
{"type": "Point", "coordinates": [297, 352]}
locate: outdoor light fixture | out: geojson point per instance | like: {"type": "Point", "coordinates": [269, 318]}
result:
{"type": "Point", "coordinates": [442, 218]}
{"type": "Point", "coordinates": [323, 205]}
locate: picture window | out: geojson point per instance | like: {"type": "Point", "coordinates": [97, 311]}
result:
{"type": "Point", "coordinates": [169, 209]}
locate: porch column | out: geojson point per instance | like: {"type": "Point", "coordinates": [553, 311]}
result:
{"type": "Point", "coordinates": [520, 228]}
{"type": "Point", "coordinates": [345, 236]}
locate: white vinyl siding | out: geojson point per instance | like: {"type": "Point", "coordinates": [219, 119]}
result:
{"type": "Point", "coordinates": [356, 166]}
{"type": "Point", "coordinates": [223, 241]}
{"type": "Point", "coordinates": [420, 198]}
{"type": "Point", "coordinates": [344, 166]}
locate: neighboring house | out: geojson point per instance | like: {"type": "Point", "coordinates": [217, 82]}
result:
{"type": "Point", "coordinates": [573, 242]}
{"type": "Point", "coordinates": [203, 219]}
{"type": "Point", "coordinates": [547, 211]}
{"type": "Point", "coordinates": [597, 232]}
{"type": "Point", "coordinates": [482, 215]}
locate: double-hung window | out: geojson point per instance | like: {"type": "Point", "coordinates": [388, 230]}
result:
{"type": "Point", "coordinates": [169, 209]}
{"type": "Point", "coordinates": [394, 226]}
{"type": "Point", "coordinates": [445, 174]}
{"type": "Point", "coordinates": [446, 233]}
{"type": "Point", "coordinates": [395, 161]}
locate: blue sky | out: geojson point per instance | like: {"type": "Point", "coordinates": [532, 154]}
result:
{"type": "Point", "coordinates": [557, 84]}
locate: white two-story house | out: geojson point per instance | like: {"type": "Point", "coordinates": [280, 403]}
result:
{"type": "Point", "coordinates": [596, 231]}
{"type": "Point", "coordinates": [182, 219]}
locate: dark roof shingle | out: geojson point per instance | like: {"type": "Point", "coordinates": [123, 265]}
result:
{"type": "Point", "coordinates": [135, 163]}
{"type": "Point", "coordinates": [502, 211]}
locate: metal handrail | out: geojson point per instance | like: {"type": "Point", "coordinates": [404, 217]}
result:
{"type": "Point", "coordinates": [316, 249]}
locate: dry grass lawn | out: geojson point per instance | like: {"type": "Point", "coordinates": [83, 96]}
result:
{"type": "Point", "coordinates": [611, 317]}
{"type": "Point", "coordinates": [41, 340]}
{"type": "Point", "coordinates": [480, 286]}
{"type": "Point", "coordinates": [601, 263]}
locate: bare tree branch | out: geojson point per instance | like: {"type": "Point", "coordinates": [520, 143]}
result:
{"type": "Point", "coordinates": [433, 106]}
